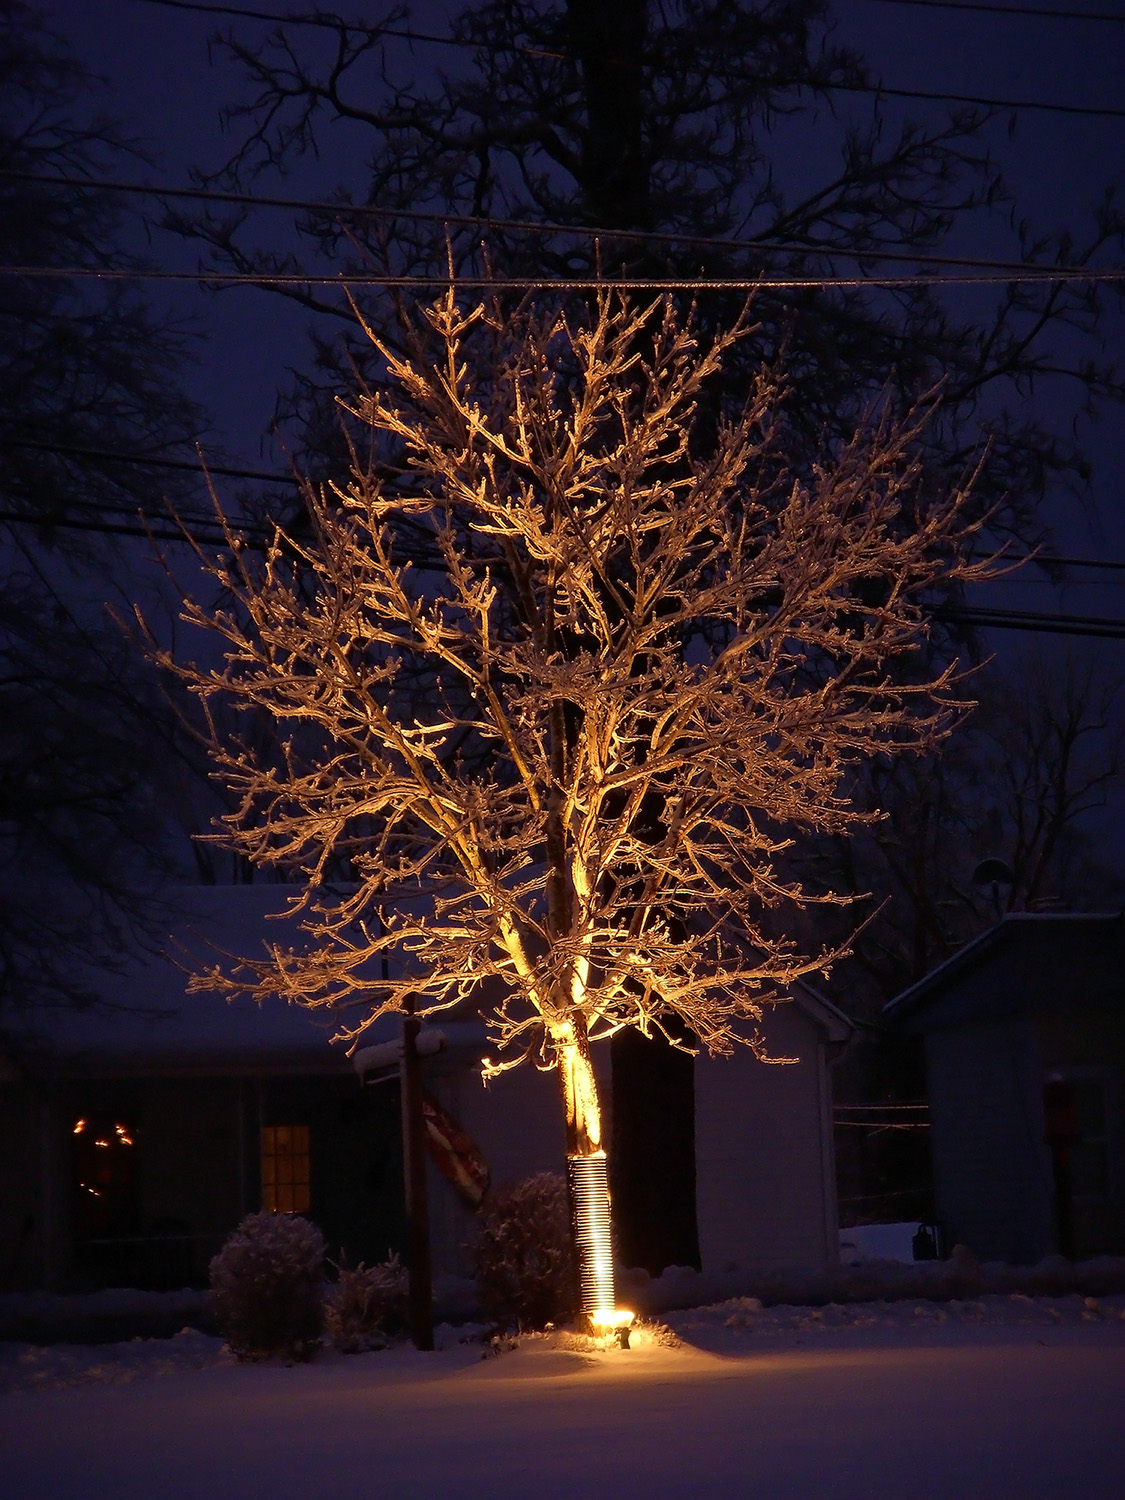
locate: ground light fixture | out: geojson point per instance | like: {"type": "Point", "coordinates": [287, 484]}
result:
{"type": "Point", "coordinates": [589, 1197]}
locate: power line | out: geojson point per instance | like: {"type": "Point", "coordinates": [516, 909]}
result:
{"type": "Point", "coordinates": [1018, 11]}
{"type": "Point", "coordinates": [1093, 626]}
{"type": "Point", "coordinates": [1033, 275]}
{"type": "Point", "coordinates": [522, 226]}
{"type": "Point", "coordinates": [1041, 622]}
{"type": "Point", "coordinates": [1041, 559]}
{"type": "Point", "coordinates": [983, 100]}
{"type": "Point", "coordinates": [225, 471]}
{"type": "Point", "coordinates": [432, 38]}
{"type": "Point", "coordinates": [105, 528]}
{"type": "Point", "coordinates": [1044, 560]}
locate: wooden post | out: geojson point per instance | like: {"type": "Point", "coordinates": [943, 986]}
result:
{"type": "Point", "coordinates": [414, 1175]}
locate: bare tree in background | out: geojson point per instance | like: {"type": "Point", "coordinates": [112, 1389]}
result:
{"type": "Point", "coordinates": [89, 391]}
{"type": "Point", "coordinates": [1055, 736]}
{"type": "Point", "coordinates": [1017, 785]}
{"type": "Point", "coordinates": [1003, 819]}
{"type": "Point", "coordinates": [746, 122]}
{"type": "Point", "coordinates": [646, 662]}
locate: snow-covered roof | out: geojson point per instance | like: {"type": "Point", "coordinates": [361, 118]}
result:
{"type": "Point", "coordinates": [146, 1022]}
{"type": "Point", "coordinates": [1027, 961]}
{"type": "Point", "coordinates": [836, 1025]}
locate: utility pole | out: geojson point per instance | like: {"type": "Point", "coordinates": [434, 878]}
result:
{"type": "Point", "coordinates": [417, 1198]}
{"type": "Point", "coordinates": [609, 39]}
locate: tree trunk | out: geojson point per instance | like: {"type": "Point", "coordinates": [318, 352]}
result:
{"type": "Point", "coordinates": [587, 1177]}
{"type": "Point", "coordinates": [609, 38]}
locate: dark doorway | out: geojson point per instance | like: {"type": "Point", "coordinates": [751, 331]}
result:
{"type": "Point", "coordinates": [652, 1163]}
{"type": "Point", "coordinates": [345, 1161]}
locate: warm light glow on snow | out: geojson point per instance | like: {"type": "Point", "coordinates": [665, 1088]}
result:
{"type": "Point", "coordinates": [611, 1317]}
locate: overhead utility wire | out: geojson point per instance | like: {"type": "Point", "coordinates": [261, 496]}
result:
{"type": "Point", "coordinates": [104, 528]}
{"type": "Point", "coordinates": [1103, 627]}
{"type": "Point", "coordinates": [523, 226]}
{"type": "Point", "coordinates": [406, 34]}
{"type": "Point", "coordinates": [984, 100]}
{"type": "Point", "coordinates": [1042, 275]}
{"type": "Point", "coordinates": [1041, 559]}
{"type": "Point", "coordinates": [1069, 562]}
{"type": "Point", "coordinates": [225, 471]}
{"type": "Point", "coordinates": [1018, 11]}
{"type": "Point", "coordinates": [204, 470]}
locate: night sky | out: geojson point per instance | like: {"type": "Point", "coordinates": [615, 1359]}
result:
{"type": "Point", "coordinates": [163, 86]}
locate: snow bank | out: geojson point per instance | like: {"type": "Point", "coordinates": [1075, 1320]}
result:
{"type": "Point", "coordinates": [102, 1317]}
{"type": "Point", "coordinates": [120, 1313]}
{"type": "Point", "coordinates": [39, 1367]}
{"type": "Point", "coordinates": [739, 1326]}
{"type": "Point", "coordinates": [45, 1367]}
{"type": "Point", "coordinates": [959, 1276]}
{"type": "Point", "coordinates": [743, 1324]}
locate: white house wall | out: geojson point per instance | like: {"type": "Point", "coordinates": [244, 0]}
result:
{"type": "Point", "coordinates": [517, 1122]}
{"type": "Point", "coordinates": [765, 1189]}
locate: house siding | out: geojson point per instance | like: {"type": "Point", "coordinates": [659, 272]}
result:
{"type": "Point", "coordinates": [992, 1180]}
{"type": "Point", "coordinates": [765, 1187]}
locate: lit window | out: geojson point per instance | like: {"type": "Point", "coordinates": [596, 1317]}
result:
{"type": "Point", "coordinates": [285, 1168]}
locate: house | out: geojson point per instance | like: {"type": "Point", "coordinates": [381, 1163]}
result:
{"type": "Point", "coordinates": [1024, 1035]}
{"type": "Point", "coordinates": [134, 1135]}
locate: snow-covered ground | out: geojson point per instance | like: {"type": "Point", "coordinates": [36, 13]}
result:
{"type": "Point", "coordinates": [992, 1397]}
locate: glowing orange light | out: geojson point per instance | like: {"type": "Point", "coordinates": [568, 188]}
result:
{"type": "Point", "coordinates": [611, 1317]}
{"type": "Point", "coordinates": [102, 1143]}
{"type": "Point", "coordinates": [80, 1127]}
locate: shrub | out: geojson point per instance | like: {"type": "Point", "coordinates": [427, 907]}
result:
{"type": "Point", "coordinates": [524, 1255]}
{"type": "Point", "coordinates": [267, 1287]}
{"type": "Point", "coordinates": [366, 1303]}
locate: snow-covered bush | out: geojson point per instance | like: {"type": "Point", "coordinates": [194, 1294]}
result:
{"type": "Point", "coordinates": [267, 1287]}
{"type": "Point", "coordinates": [524, 1255]}
{"type": "Point", "coordinates": [366, 1303]}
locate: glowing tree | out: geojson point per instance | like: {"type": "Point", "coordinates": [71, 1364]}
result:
{"type": "Point", "coordinates": [576, 674]}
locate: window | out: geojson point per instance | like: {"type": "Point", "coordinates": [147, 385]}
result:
{"type": "Point", "coordinates": [285, 1168]}
{"type": "Point", "coordinates": [105, 1177]}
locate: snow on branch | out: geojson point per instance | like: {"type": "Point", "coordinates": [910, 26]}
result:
{"type": "Point", "coordinates": [559, 751]}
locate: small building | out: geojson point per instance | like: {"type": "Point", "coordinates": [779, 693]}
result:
{"type": "Point", "coordinates": [135, 1134]}
{"type": "Point", "coordinates": [1024, 1034]}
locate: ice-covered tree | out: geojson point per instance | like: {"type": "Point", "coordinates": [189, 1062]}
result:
{"type": "Point", "coordinates": [646, 653]}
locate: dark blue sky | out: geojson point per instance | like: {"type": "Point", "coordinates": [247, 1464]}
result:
{"type": "Point", "coordinates": [163, 85]}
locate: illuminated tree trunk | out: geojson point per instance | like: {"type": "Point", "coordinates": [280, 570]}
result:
{"type": "Point", "coordinates": [587, 1176]}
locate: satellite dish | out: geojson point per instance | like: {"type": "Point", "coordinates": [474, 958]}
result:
{"type": "Point", "coordinates": [993, 872]}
